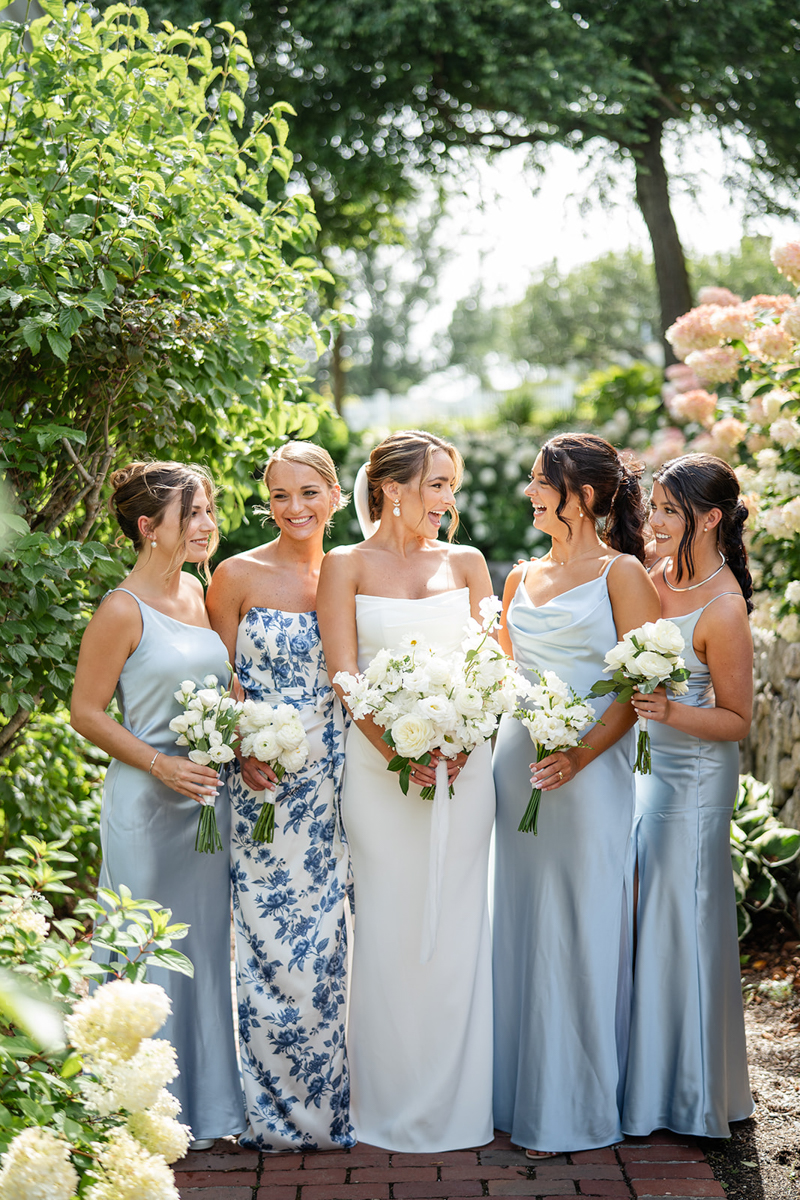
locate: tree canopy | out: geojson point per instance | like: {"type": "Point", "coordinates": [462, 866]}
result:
{"type": "Point", "coordinates": [384, 86]}
{"type": "Point", "coordinates": [153, 297]}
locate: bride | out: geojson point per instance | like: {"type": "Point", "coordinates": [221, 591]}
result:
{"type": "Point", "coordinates": [420, 1032]}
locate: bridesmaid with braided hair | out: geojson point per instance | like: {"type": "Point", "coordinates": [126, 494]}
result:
{"type": "Point", "coordinates": [687, 1066]}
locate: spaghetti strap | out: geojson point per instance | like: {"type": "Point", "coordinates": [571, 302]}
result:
{"type": "Point", "coordinates": [713, 598]}
{"type": "Point", "coordinates": [525, 566]}
{"type": "Point", "coordinates": [111, 591]}
{"type": "Point", "coordinates": [609, 565]}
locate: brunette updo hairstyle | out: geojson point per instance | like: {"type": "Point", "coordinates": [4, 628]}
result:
{"type": "Point", "coordinates": [571, 461]}
{"type": "Point", "coordinates": [696, 483]}
{"type": "Point", "coordinates": [309, 455]}
{"type": "Point", "coordinates": [144, 489]}
{"type": "Point", "coordinates": [402, 456]}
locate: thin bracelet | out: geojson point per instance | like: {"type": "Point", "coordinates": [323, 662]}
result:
{"type": "Point", "coordinates": [153, 763]}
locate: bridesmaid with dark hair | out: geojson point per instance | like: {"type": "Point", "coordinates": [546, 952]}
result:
{"type": "Point", "coordinates": [561, 945]}
{"type": "Point", "coordinates": [687, 1068]}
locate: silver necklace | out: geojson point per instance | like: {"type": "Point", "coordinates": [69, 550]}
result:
{"type": "Point", "coordinates": [692, 586]}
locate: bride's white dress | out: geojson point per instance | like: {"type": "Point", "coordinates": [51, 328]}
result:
{"type": "Point", "coordinates": [419, 1036]}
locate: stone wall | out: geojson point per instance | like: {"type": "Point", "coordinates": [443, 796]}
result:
{"type": "Point", "coordinates": [771, 751]}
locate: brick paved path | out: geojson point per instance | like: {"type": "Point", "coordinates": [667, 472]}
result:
{"type": "Point", "coordinates": [659, 1166]}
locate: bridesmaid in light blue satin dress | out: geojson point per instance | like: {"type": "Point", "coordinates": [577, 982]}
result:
{"type": "Point", "coordinates": [561, 943]}
{"type": "Point", "coordinates": [144, 640]}
{"type": "Point", "coordinates": [687, 1067]}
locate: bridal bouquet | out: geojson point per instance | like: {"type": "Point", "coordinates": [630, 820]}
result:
{"type": "Point", "coordinates": [554, 724]}
{"type": "Point", "coordinates": [208, 725]}
{"type": "Point", "coordinates": [645, 659]}
{"type": "Point", "coordinates": [427, 701]}
{"type": "Point", "coordinates": [273, 734]}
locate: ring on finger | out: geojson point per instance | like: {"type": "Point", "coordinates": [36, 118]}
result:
{"type": "Point", "coordinates": [560, 774]}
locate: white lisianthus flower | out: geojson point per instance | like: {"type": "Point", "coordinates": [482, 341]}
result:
{"type": "Point", "coordinates": [265, 745]}
{"type": "Point", "coordinates": [158, 1131]}
{"type": "Point", "coordinates": [37, 1166]}
{"type": "Point", "coordinates": [181, 723]}
{"type": "Point", "coordinates": [186, 689]}
{"type": "Point", "coordinates": [201, 757]}
{"type": "Point", "coordinates": [652, 665]}
{"type": "Point", "coordinates": [468, 701]}
{"type": "Point", "coordinates": [437, 709]}
{"type": "Point", "coordinates": [210, 727]}
{"type": "Point", "coordinates": [221, 754]}
{"type": "Point", "coordinates": [129, 1172]}
{"type": "Point", "coordinates": [413, 735]}
{"type": "Point", "coordinates": [208, 697]}
{"type": "Point", "coordinates": [114, 1020]}
{"type": "Point", "coordinates": [210, 681]}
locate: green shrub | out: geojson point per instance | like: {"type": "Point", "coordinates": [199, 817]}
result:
{"type": "Point", "coordinates": [762, 851]}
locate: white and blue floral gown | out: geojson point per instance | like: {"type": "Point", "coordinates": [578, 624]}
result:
{"type": "Point", "coordinates": [289, 904]}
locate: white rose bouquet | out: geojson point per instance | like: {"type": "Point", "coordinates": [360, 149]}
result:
{"type": "Point", "coordinates": [430, 701]}
{"type": "Point", "coordinates": [554, 724]}
{"type": "Point", "coordinates": [645, 659]}
{"type": "Point", "coordinates": [274, 734]}
{"type": "Point", "coordinates": [208, 725]}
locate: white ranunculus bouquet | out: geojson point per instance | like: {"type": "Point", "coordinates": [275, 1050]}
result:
{"type": "Point", "coordinates": [427, 700]}
{"type": "Point", "coordinates": [208, 725]}
{"type": "Point", "coordinates": [646, 658]}
{"type": "Point", "coordinates": [274, 734]}
{"type": "Point", "coordinates": [554, 724]}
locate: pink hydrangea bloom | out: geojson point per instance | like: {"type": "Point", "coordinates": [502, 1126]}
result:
{"type": "Point", "coordinates": [790, 321]}
{"type": "Point", "coordinates": [693, 331]}
{"type": "Point", "coordinates": [718, 295]}
{"type": "Point", "coordinates": [719, 364]}
{"type": "Point", "coordinates": [730, 322]}
{"type": "Point", "coordinates": [757, 306]}
{"type": "Point", "coordinates": [729, 431]}
{"type": "Point", "coordinates": [771, 343]}
{"type": "Point", "coordinates": [666, 444]}
{"type": "Point", "coordinates": [756, 441]}
{"type": "Point", "coordinates": [698, 405]}
{"type": "Point", "coordinates": [787, 259]}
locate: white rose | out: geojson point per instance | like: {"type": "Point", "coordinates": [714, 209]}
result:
{"type": "Point", "coordinates": [413, 735]}
{"type": "Point", "coordinates": [653, 666]}
{"type": "Point", "coordinates": [617, 656]}
{"type": "Point", "coordinates": [378, 668]}
{"type": "Point", "coordinates": [663, 636]}
{"type": "Point", "coordinates": [438, 671]}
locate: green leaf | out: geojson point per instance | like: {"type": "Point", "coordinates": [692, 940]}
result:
{"type": "Point", "coordinates": [10, 205]}
{"type": "Point", "coordinates": [69, 321]}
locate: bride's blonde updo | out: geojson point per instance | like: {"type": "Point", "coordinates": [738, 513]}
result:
{"type": "Point", "coordinates": [402, 456]}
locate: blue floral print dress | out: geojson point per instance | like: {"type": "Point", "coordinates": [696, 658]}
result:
{"type": "Point", "coordinates": [289, 904]}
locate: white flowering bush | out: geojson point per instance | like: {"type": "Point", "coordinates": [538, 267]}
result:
{"type": "Point", "coordinates": [749, 352]}
{"type": "Point", "coordinates": [83, 1102]}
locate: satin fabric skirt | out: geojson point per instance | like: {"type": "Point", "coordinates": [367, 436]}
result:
{"type": "Point", "coordinates": [419, 1036]}
{"type": "Point", "coordinates": [687, 1065]}
{"type": "Point", "coordinates": [561, 949]}
{"type": "Point", "coordinates": [147, 833]}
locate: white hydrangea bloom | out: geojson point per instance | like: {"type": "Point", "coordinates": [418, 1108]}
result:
{"type": "Point", "coordinates": [111, 1023]}
{"type": "Point", "coordinates": [37, 1166]}
{"type": "Point", "coordinates": [129, 1172]}
{"type": "Point", "coordinates": [158, 1131]}
{"type": "Point", "coordinates": [134, 1084]}
{"type": "Point", "coordinates": [792, 592]}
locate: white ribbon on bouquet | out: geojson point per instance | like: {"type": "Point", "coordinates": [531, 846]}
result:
{"type": "Point", "coordinates": [440, 828]}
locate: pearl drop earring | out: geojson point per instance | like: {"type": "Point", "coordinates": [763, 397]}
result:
{"type": "Point", "coordinates": [396, 509]}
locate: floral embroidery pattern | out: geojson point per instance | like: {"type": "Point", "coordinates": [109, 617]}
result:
{"type": "Point", "coordinates": [289, 902]}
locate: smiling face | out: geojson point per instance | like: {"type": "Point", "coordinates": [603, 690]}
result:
{"type": "Point", "coordinates": [666, 520]}
{"type": "Point", "coordinates": [300, 500]}
{"type": "Point", "coordinates": [190, 544]}
{"type": "Point", "coordinates": [545, 500]}
{"type": "Point", "coordinates": [423, 502]}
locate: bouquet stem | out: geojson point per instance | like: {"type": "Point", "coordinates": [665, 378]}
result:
{"type": "Point", "coordinates": [643, 764]}
{"type": "Point", "coordinates": [530, 819]}
{"type": "Point", "coordinates": [207, 840]}
{"type": "Point", "coordinates": [264, 828]}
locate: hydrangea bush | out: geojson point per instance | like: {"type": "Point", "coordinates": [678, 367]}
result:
{"type": "Point", "coordinates": [84, 1108]}
{"type": "Point", "coordinates": [748, 352]}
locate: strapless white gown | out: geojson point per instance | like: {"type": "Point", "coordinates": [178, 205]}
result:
{"type": "Point", "coordinates": [419, 1036]}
